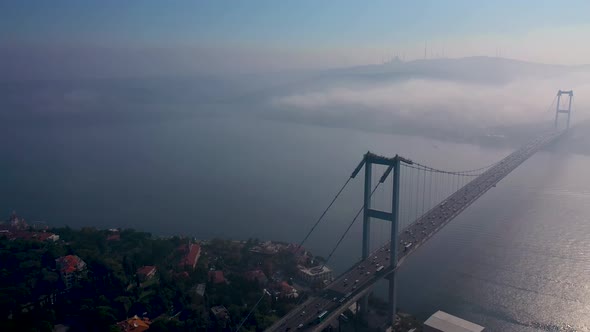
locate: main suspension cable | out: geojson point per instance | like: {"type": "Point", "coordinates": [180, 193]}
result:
{"type": "Point", "coordinates": [349, 226]}
{"type": "Point", "coordinates": [551, 106]}
{"type": "Point", "coordinates": [324, 213]}
{"type": "Point", "coordinates": [463, 173]}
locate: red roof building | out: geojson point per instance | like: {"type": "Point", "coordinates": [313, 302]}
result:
{"type": "Point", "coordinates": [114, 237]}
{"type": "Point", "coordinates": [192, 256]}
{"type": "Point", "coordinates": [288, 290]}
{"type": "Point", "coordinates": [216, 277]}
{"type": "Point", "coordinates": [134, 324]}
{"type": "Point", "coordinates": [256, 275]}
{"type": "Point", "coordinates": [221, 315]}
{"type": "Point", "coordinates": [12, 234]}
{"type": "Point", "coordinates": [70, 267]}
{"type": "Point", "coordinates": [145, 273]}
{"type": "Point", "coordinates": [16, 222]}
{"type": "Point", "coordinates": [301, 255]}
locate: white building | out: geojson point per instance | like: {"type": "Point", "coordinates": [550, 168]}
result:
{"type": "Point", "coordinates": [53, 238]}
{"type": "Point", "coordinates": [443, 322]}
{"type": "Point", "coordinates": [314, 274]}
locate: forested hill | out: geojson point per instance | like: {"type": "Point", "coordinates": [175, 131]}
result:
{"type": "Point", "coordinates": [90, 279]}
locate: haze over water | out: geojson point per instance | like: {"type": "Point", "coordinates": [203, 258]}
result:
{"type": "Point", "coordinates": [515, 260]}
{"type": "Point", "coordinates": [242, 120]}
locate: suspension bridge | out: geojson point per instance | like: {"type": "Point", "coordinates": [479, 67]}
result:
{"type": "Point", "coordinates": [423, 200]}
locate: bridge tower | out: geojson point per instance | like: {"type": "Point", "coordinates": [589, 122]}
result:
{"type": "Point", "coordinates": [393, 165]}
{"type": "Point", "coordinates": [567, 111]}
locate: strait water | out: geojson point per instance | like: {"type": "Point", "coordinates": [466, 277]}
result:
{"type": "Point", "coordinates": [516, 260]}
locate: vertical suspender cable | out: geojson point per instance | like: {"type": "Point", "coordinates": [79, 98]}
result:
{"type": "Point", "coordinates": [430, 190]}
{"type": "Point", "coordinates": [348, 229]}
{"type": "Point", "coordinates": [324, 213]}
{"type": "Point", "coordinates": [424, 195]}
{"type": "Point", "coordinates": [417, 194]}
{"type": "Point", "coordinates": [436, 194]}
{"type": "Point", "coordinates": [381, 221]}
{"type": "Point", "coordinates": [403, 198]}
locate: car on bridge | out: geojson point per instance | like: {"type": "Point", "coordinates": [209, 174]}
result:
{"type": "Point", "coordinates": [411, 238]}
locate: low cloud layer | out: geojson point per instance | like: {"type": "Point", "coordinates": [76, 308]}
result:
{"type": "Point", "coordinates": [448, 103]}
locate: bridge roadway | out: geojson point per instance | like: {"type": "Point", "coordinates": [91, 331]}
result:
{"type": "Point", "coordinates": [350, 286]}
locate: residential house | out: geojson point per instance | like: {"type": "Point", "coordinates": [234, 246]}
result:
{"type": "Point", "coordinates": [221, 315]}
{"type": "Point", "coordinates": [145, 273]}
{"type": "Point", "coordinates": [71, 268]}
{"type": "Point", "coordinates": [256, 275]}
{"type": "Point", "coordinates": [287, 290]}
{"type": "Point", "coordinates": [216, 277]}
{"type": "Point", "coordinates": [134, 324]}
{"type": "Point", "coordinates": [200, 289]}
{"type": "Point", "coordinates": [192, 255]}
{"type": "Point", "coordinates": [114, 237]}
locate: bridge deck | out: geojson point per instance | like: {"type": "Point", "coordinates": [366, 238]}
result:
{"type": "Point", "coordinates": [357, 281]}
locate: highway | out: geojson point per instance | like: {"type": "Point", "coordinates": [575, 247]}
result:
{"type": "Point", "coordinates": [356, 281]}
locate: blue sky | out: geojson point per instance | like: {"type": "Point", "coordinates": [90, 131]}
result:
{"type": "Point", "coordinates": [367, 31]}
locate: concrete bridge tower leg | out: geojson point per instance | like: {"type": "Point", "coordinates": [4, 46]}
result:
{"type": "Point", "coordinates": [557, 108]}
{"type": "Point", "coordinates": [568, 111]}
{"type": "Point", "coordinates": [364, 302]}
{"type": "Point", "coordinates": [394, 164]}
{"type": "Point", "coordinates": [393, 244]}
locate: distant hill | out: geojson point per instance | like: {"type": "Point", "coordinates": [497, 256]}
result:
{"type": "Point", "coordinates": [487, 82]}
{"type": "Point", "coordinates": [476, 69]}
{"type": "Point", "coordinates": [480, 69]}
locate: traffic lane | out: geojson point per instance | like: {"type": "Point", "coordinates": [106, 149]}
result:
{"type": "Point", "coordinates": [358, 278]}
{"type": "Point", "coordinates": [306, 315]}
{"type": "Point", "coordinates": [420, 230]}
{"type": "Point", "coordinates": [298, 317]}
{"type": "Point", "coordinates": [355, 278]}
{"type": "Point", "coordinates": [352, 283]}
{"type": "Point", "coordinates": [309, 318]}
{"type": "Point", "coordinates": [444, 213]}
{"type": "Point", "coordinates": [309, 314]}
{"type": "Point", "coordinates": [439, 217]}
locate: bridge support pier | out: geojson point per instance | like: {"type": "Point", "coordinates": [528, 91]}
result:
{"type": "Point", "coordinates": [364, 302]}
{"type": "Point", "coordinates": [394, 164]}
{"type": "Point", "coordinates": [566, 111]}
{"type": "Point", "coordinates": [393, 244]}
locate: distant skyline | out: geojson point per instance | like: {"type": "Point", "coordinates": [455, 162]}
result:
{"type": "Point", "coordinates": [251, 36]}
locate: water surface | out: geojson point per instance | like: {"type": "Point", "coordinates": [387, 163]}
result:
{"type": "Point", "coordinates": [516, 260]}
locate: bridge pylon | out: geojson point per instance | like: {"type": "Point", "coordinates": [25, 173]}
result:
{"type": "Point", "coordinates": [567, 111]}
{"type": "Point", "coordinates": [393, 165]}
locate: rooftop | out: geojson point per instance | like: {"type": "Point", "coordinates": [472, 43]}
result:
{"type": "Point", "coordinates": [315, 270]}
{"type": "Point", "coordinates": [449, 323]}
{"type": "Point", "coordinates": [146, 270]}
{"type": "Point", "coordinates": [194, 251]}
{"type": "Point", "coordinates": [220, 312]}
{"type": "Point", "coordinates": [256, 275]}
{"type": "Point", "coordinates": [201, 289]}
{"type": "Point", "coordinates": [114, 237]}
{"type": "Point", "coordinates": [13, 233]}
{"type": "Point", "coordinates": [134, 324]}
{"type": "Point", "coordinates": [70, 263]}
{"type": "Point", "coordinates": [286, 288]}
{"type": "Point", "coordinates": [216, 277]}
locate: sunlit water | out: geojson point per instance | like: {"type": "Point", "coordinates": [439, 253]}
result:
{"type": "Point", "coordinates": [516, 260]}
